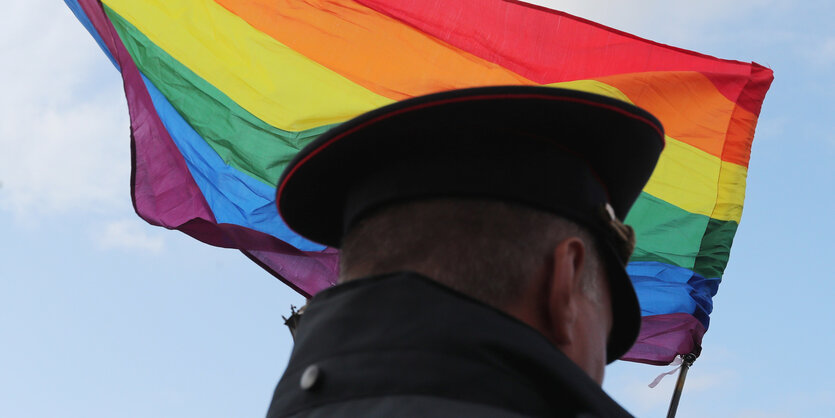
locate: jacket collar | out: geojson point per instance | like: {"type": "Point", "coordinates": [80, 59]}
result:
{"type": "Point", "coordinates": [404, 333]}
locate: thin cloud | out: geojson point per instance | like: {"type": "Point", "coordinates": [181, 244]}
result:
{"type": "Point", "coordinates": [823, 54]}
{"type": "Point", "coordinates": [692, 25]}
{"type": "Point", "coordinates": [64, 142]}
{"type": "Point", "coordinates": [761, 413]}
{"type": "Point", "coordinates": [711, 381]}
{"type": "Point", "coordinates": [129, 235]}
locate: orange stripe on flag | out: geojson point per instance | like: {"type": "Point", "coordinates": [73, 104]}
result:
{"type": "Point", "coordinates": [397, 61]}
{"type": "Point", "coordinates": [373, 50]}
{"type": "Point", "coordinates": [692, 110]}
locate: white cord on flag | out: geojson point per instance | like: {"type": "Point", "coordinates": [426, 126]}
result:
{"type": "Point", "coordinates": [677, 362]}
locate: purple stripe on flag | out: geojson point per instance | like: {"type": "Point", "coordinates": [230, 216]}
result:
{"type": "Point", "coordinates": [163, 191]}
{"type": "Point", "coordinates": [165, 194]}
{"type": "Point", "coordinates": [663, 337]}
{"type": "Point", "coordinates": [308, 277]}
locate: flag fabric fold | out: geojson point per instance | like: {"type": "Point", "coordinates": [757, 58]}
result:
{"type": "Point", "coordinates": [223, 93]}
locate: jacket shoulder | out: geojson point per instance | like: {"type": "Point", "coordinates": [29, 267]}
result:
{"type": "Point", "coordinates": [403, 406]}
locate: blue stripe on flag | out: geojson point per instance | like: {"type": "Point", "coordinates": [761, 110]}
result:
{"type": "Point", "coordinates": [665, 289]}
{"type": "Point", "coordinates": [233, 196]}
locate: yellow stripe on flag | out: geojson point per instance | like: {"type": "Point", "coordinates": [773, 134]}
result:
{"type": "Point", "coordinates": [686, 176]}
{"type": "Point", "coordinates": [281, 87]}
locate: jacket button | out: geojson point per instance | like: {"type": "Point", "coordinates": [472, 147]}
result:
{"type": "Point", "coordinates": [311, 375]}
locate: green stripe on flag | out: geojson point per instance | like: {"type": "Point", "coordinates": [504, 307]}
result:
{"type": "Point", "coordinates": [242, 140]}
{"type": "Point", "coordinates": [716, 248]}
{"type": "Point", "coordinates": [671, 235]}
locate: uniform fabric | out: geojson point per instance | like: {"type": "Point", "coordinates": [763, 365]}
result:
{"type": "Point", "coordinates": [403, 345]}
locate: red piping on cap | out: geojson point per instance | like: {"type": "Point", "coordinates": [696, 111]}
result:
{"type": "Point", "coordinates": [462, 99]}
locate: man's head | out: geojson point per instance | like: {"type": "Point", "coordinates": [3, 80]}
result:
{"type": "Point", "coordinates": [534, 265]}
{"type": "Point", "coordinates": [561, 154]}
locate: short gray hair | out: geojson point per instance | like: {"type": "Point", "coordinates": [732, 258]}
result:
{"type": "Point", "coordinates": [489, 250]}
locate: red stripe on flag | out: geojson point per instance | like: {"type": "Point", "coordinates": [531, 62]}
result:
{"type": "Point", "coordinates": [549, 46]}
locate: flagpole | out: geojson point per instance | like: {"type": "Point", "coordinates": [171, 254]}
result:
{"type": "Point", "coordinates": [686, 361]}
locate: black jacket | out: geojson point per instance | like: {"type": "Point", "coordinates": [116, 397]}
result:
{"type": "Point", "coordinates": [402, 345]}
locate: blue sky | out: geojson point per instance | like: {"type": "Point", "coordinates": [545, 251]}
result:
{"type": "Point", "coordinates": [102, 315]}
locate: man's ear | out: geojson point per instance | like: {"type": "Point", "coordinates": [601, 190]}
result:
{"type": "Point", "coordinates": [564, 283]}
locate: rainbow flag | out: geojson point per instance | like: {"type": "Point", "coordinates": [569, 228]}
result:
{"type": "Point", "coordinates": [223, 93]}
